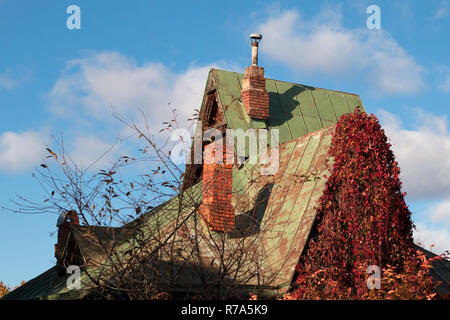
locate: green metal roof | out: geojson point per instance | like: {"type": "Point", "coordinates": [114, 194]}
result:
{"type": "Point", "coordinates": [294, 109]}
{"type": "Point", "coordinates": [290, 210]}
{"type": "Point", "coordinates": [43, 285]}
{"type": "Point", "coordinates": [47, 286]}
{"type": "Point", "coordinates": [305, 117]}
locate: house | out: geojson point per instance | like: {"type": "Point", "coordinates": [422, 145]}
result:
{"type": "Point", "coordinates": [254, 225]}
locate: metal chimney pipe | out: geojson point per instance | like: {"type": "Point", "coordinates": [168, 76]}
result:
{"type": "Point", "coordinates": [255, 39]}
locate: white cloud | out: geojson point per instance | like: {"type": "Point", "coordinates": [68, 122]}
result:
{"type": "Point", "coordinates": [10, 80]}
{"type": "Point", "coordinates": [423, 154]}
{"type": "Point", "coordinates": [20, 151]}
{"type": "Point", "coordinates": [91, 85]}
{"type": "Point", "coordinates": [322, 45]}
{"type": "Point", "coordinates": [443, 10]}
{"type": "Point", "coordinates": [440, 213]}
{"type": "Point", "coordinates": [426, 236]}
{"type": "Point", "coordinates": [433, 227]}
{"type": "Point", "coordinates": [6, 82]}
{"type": "Point", "coordinates": [444, 81]}
{"type": "Point", "coordinates": [445, 85]}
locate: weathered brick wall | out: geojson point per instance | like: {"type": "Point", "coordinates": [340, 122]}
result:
{"type": "Point", "coordinates": [216, 209]}
{"type": "Point", "coordinates": [219, 116]}
{"type": "Point", "coordinates": [254, 94]}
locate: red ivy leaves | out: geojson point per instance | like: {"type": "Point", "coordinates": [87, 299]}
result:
{"type": "Point", "coordinates": [362, 217]}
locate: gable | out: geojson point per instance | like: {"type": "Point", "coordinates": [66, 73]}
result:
{"type": "Point", "coordinates": [294, 110]}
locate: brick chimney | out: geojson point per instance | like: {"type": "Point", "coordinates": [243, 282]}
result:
{"type": "Point", "coordinates": [65, 220]}
{"type": "Point", "coordinates": [254, 94]}
{"type": "Point", "coordinates": [216, 208]}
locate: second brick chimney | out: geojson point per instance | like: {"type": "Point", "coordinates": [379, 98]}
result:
{"type": "Point", "coordinates": [65, 220]}
{"type": "Point", "coordinates": [254, 94]}
{"type": "Point", "coordinates": [216, 208]}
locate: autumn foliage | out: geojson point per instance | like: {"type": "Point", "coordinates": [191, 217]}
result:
{"type": "Point", "coordinates": [3, 289]}
{"type": "Point", "coordinates": [362, 220]}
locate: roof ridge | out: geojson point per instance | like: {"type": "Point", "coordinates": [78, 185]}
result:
{"type": "Point", "coordinates": [294, 83]}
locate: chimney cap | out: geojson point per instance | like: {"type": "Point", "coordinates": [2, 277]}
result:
{"type": "Point", "coordinates": [255, 37]}
{"type": "Point", "coordinates": [61, 219]}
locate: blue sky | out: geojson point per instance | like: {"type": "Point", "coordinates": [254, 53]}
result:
{"type": "Point", "coordinates": [148, 53]}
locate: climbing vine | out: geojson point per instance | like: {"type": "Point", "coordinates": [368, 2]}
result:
{"type": "Point", "coordinates": [362, 220]}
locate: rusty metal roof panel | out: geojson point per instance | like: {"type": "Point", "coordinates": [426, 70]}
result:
{"type": "Point", "coordinates": [290, 210]}
{"type": "Point", "coordinates": [297, 213]}
{"type": "Point", "coordinates": [304, 211]}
